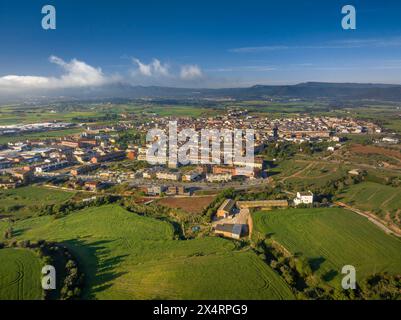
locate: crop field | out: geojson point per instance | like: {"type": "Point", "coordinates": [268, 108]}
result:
{"type": "Point", "coordinates": [373, 150]}
{"type": "Point", "coordinates": [374, 197]}
{"type": "Point", "coordinates": [194, 205]}
{"type": "Point", "coordinates": [126, 256]}
{"type": "Point", "coordinates": [23, 201]}
{"type": "Point", "coordinates": [331, 238]}
{"type": "Point", "coordinates": [41, 135]}
{"type": "Point", "coordinates": [20, 275]}
{"type": "Point", "coordinates": [306, 172]}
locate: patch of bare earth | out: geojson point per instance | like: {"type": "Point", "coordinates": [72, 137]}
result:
{"type": "Point", "coordinates": [194, 205]}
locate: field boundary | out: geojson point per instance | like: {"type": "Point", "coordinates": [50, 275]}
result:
{"type": "Point", "coordinates": [372, 218]}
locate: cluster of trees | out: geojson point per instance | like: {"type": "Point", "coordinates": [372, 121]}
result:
{"type": "Point", "coordinates": [130, 137]}
{"type": "Point", "coordinates": [70, 280]}
{"type": "Point", "coordinates": [62, 209]}
{"type": "Point", "coordinates": [286, 150]}
{"type": "Point", "coordinates": [298, 273]}
{"type": "Point", "coordinates": [8, 233]}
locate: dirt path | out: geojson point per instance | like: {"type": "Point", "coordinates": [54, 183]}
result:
{"type": "Point", "coordinates": [296, 174]}
{"type": "Point", "coordinates": [374, 219]}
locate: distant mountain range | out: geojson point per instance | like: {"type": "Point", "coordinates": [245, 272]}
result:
{"type": "Point", "coordinates": [303, 91]}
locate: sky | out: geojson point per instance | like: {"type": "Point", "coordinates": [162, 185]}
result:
{"type": "Point", "coordinates": [197, 43]}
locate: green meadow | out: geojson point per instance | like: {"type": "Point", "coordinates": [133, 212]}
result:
{"type": "Point", "coordinates": [20, 275]}
{"type": "Point", "coordinates": [127, 256]}
{"type": "Point", "coordinates": [331, 238]}
{"type": "Point", "coordinates": [26, 200]}
{"type": "Point", "coordinates": [382, 200]}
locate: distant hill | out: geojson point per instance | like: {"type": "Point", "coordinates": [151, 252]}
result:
{"type": "Point", "coordinates": [308, 90]}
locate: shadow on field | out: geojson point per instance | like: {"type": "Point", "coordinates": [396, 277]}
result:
{"type": "Point", "coordinates": [315, 263]}
{"type": "Point", "coordinates": [95, 261]}
{"type": "Point", "coordinates": [330, 275]}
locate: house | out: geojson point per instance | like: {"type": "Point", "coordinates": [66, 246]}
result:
{"type": "Point", "coordinates": [176, 190]}
{"type": "Point", "coordinates": [111, 156]}
{"type": "Point", "coordinates": [175, 176]}
{"type": "Point", "coordinates": [92, 185]}
{"type": "Point", "coordinates": [303, 198]}
{"type": "Point", "coordinates": [218, 177]}
{"type": "Point", "coordinates": [225, 209]}
{"type": "Point", "coordinates": [390, 140]}
{"type": "Point", "coordinates": [191, 176]}
{"type": "Point", "coordinates": [154, 190]}
{"type": "Point", "coordinates": [354, 172]}
{"type": "Point", "coordinates": [234, 231]}
{"type": "Point", "coordinates": [84, 169]}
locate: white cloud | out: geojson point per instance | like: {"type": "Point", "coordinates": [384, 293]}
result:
{"type": "Point", "coordinates": [336, 44]}
{"type": "Point", "coordinates": [190, 72]}
{"type": "Point", "coordinates": [76, 74]}
{"type": "Point", "coordinates": [155, 68]}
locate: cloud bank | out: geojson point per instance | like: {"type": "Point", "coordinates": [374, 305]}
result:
{"type": "Point", "coordinates": [76, 74]}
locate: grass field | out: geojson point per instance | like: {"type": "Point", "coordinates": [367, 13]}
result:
{"type": "Point", "coordinates": [20, 275]}
{"type": "Point", "coordinates": [126, 256]}
{"type": "Point", "coordinates": [27, 198]}
{"type": "Point", "coordinates": [41, 135]}
{"type": "Point", "coordinates": [307, 172]}
{"type": "Point", "coordinates": [331, 238]}
{"type": "Point", "coordinates": [374, 197]}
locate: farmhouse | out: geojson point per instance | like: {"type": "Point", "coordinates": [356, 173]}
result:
{"type": "Point", "coordinates": [225, 209]}
{"type": "Point", "coordinates": [234, 231]}
{"type": "Point", "coordinates": [303, 198]}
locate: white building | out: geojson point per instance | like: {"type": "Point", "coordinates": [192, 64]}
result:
{"type": "Point", "coordinates": [304, 198]}
{"type": "Point", "coordinates": [175, 176]}
{"type": "Point", "coordinates": [219, 177]}
{"type": "Point", "coordinates": [390, 140]}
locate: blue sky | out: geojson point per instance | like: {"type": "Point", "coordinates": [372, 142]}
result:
{"type": "Point", "coordinates": [195, 43]}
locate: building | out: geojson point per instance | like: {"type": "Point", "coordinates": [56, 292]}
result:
{"type": "Point", "coordinates": [52, 166]}
{"type": "Point", "coordinates": [225, 209]}
{"type": "Point", "coordinates": [303, 198]}
{"type": "Point", "coordinates": [234, 231]}
{"type": "Point", "coordinates": [219, 177]}
{"type": "Point", "coordinates": [191, 176]}
{"type": "Point", "coordinates": [92, 185]}
{"type": "Point", "coordinates": [176, 190]}
{"type": "Point", "coordinates": [111, 156]}
{"type": "Point", "coordinates": [84, 169]}
{"type": "Point", "coordinates": [174, 176]}
{"type": "Point", "coordinates": [390, 140]}
{"type": "Point", "coordinates": [22, 175]}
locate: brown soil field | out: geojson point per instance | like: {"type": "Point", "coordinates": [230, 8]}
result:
{"type": "Point", "coordinates": [360, 149]}
{"type": "Point", "coordinates": [194, 205]}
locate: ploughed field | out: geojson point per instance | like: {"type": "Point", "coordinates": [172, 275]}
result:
{"type": "Point", "coordinates": [331, 238]}
{"type": "Point", "coordinates": [127, 256]}
{"type": "Point", "coordinates": [20, 275]}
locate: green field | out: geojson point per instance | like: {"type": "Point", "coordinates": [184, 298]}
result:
{"type": "Point", "coordinates": [375, 197]}
{"type": "Point", "coordinates": [307, 172]}
{"type": "Point", "coordinates": [331, 238]}
{"type": "Point", "coordinates": [126, 256]}
{"type": "Point", "coordinates": [25, 200]}
{"type": "Point", "coordinates": [20, 275]}
{"type": "Point", "coordinates": [41, 135]}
